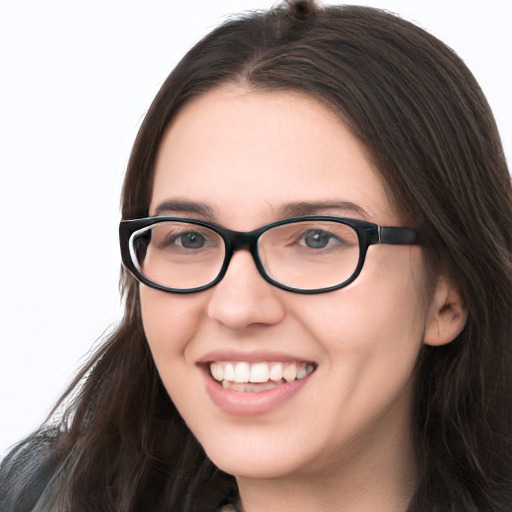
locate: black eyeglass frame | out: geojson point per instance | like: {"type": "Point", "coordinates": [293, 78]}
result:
{"type": "Point", "coordinates": [368, 234]}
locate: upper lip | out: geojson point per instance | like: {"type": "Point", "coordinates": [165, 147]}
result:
{"type": "Point", "coordinates": [253, 356]}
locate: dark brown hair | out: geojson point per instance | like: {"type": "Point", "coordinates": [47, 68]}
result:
{"type": "Point", "coordinates": [420, 113]}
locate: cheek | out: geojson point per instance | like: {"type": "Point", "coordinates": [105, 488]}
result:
{"type": "Point", "coordinates": [388, 296]}
{"type": "Point", "coordinates": [372, 331]}
{"type": "Point", "coordinates": [169, 322]}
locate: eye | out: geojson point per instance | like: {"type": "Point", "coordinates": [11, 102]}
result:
{"type": "Point", "coordinates": [319, 239]}
{"type": "Point", "coordinates": [180, 237]}
{"type": "Point", "coordinates": [190, 240]}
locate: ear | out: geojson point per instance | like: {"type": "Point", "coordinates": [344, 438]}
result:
{"type": "Point", "coordinates": [446, 316]}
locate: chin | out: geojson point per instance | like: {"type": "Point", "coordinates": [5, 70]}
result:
{"type": "Point", "coordinates": [262, 469]}
{"type": "Point", "coordinates": [255, 458]}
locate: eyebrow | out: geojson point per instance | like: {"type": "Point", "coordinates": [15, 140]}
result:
{"type": "Point", "coordinates": [317, 207]}
{"type": "Point", "coordinates": [184, 207]}
{"type": "Point", "coordinates": [295, 209]}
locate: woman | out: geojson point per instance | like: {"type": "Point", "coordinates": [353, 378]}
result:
{"type": "Point", "coordinates": [317, 242]}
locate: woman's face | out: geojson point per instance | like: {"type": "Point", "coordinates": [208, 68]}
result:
{"type": "Point", "coordinates": [243, 159]}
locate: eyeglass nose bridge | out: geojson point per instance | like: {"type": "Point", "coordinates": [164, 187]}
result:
{"type": "Point", "coordinates": [239, 241]}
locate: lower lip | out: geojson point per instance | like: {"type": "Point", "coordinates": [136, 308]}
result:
{"type": "Point", "coordinates": [251, 404]}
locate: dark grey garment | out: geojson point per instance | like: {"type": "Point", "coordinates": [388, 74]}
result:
{"type": "Point", "coordinates": [25, 474]}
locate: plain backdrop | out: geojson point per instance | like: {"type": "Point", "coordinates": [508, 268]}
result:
{"type": "Point", "coordinates": [76, 78]}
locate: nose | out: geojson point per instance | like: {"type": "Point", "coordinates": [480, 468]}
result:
{"type": "Point", "coordinates": [243, 298]}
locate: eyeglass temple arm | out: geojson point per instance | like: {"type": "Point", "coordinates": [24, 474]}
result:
{"type": "Point", "coordinates": [397, 236]}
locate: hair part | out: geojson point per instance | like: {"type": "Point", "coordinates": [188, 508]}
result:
{"type": "Point", "coordinates": [301, 9]}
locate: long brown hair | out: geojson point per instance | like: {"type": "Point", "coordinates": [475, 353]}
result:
{"type": "Point", "coordinates": [122, 446]}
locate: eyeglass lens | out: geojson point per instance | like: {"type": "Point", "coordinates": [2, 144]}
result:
{"type": "Point", "coordinates": [305, 255]}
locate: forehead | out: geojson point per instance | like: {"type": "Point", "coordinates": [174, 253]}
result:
{"type": "Point", "coordinates": [245, 154]}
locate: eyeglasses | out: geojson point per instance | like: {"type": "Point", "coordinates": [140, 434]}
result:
{"type": "Point", "coordinates": [310, 254]}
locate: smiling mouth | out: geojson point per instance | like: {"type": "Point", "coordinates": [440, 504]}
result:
{"type": "Point", "coordinates": [246, 377]}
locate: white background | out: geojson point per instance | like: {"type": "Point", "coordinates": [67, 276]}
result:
{"type": "Point", "coordinates": [75, 80]}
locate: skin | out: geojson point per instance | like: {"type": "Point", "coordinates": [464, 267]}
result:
{"type": "Point", "coordinates": [344, 440]}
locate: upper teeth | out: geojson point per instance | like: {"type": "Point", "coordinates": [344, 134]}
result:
{"type": "Point", "coordinates": [259, 372]}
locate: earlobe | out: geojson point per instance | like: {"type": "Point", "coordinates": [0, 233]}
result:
{"type": "Point", "coordinates": [446, 315]}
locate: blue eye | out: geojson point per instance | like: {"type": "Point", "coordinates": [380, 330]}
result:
{"type": "Point", "coordinates": [179, 238]}
{"type": "Point", "coordinates": [319, 239]}
{"type": "Point", "coordinates": [190, 240]}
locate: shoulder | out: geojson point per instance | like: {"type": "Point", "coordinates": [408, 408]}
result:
{"type": "Point", "coordinates": [26, 472]}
